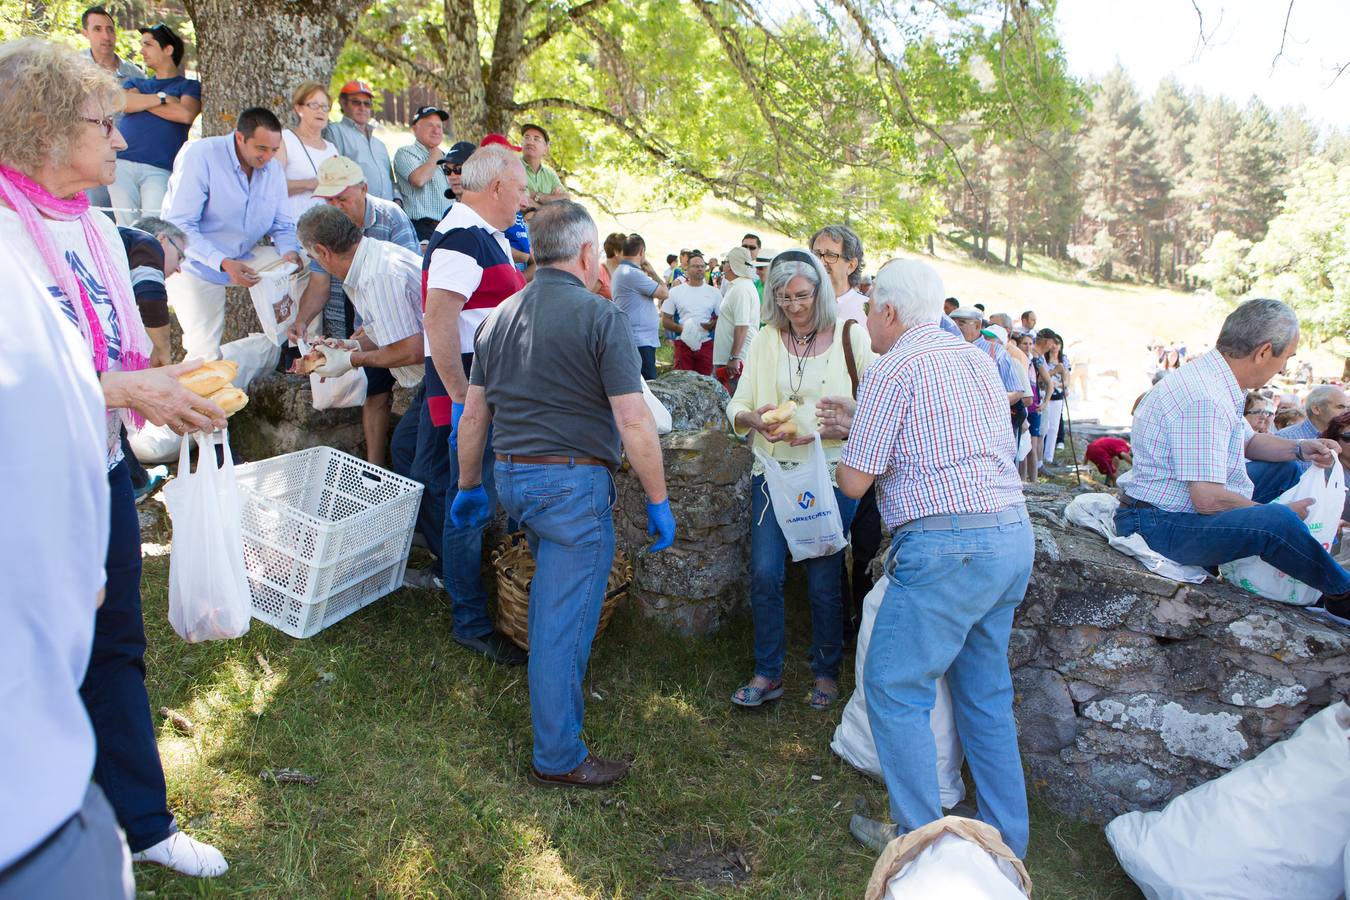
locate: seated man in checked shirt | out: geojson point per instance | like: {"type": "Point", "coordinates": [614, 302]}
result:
{"type": "Point", "coordinates": [1189, 494]}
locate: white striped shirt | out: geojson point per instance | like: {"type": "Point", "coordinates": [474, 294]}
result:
{"type": "Point", "coordinates": [385, 285]}
{"type": "Point", "coordinates": [932, 425]}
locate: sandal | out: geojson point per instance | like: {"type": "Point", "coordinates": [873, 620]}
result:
{"type": "Point", "coordinates": [824, 699]}
{"type": "Point", "coordinates": [749, 695]}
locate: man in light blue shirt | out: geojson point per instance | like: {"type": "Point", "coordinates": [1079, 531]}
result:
{"type": "Point", "coordinates": [226, 194]}
{"type": "Point", "coordinates": [355, 139]}
{"type": "Point", "coordinates": [418, 173]}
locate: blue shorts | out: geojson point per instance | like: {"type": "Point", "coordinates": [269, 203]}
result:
{"type": "Point", "coordinates": [378, 381]}
{"type": "Point", "coordinates": [1034, 420]}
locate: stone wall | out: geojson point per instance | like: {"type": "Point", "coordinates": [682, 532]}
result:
{"type": "Point", "coordinates": [694, 585]}
{"type": "Point", "coordinates": [1132, 688]}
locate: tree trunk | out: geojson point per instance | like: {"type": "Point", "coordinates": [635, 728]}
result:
{"type": "Point", "coordinates": [1019, 249]}
{"type": "Point", "coordinates": [931, 251]}
{"type": "Point", "coordinates": [507, 61]}
{"type": "Point", "coordinates": [256, 54]}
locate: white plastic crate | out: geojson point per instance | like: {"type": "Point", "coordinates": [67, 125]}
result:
{"type": "Point", "coordinates": [325, 534]}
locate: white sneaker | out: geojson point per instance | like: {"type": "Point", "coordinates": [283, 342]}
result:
{"type": "Point", "coordinates": [184, 854]}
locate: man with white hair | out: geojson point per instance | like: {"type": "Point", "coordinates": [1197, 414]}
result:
{"type": "Point", "coordinates": [557, 375]}
{"type": "Point", "coordinates": [929, 430]}
{"type": "Point", "coordinates": [466, 273]}
{"type": "Point", "coordinates": [1323, 403]}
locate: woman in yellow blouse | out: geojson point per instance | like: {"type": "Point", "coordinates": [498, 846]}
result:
{"type": "Point", "coordinates": [799, 356]}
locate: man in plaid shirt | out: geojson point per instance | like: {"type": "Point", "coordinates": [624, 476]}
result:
{"type": "Point", "coordinates": [1188, 493]}
{"type": "Point", "coordinates": [931, 430]}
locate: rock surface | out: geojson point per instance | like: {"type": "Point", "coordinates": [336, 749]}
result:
{"type": "Point", "coordinates": [1131, 688]}
{"type": "Point", "coordinates": [693, 586]}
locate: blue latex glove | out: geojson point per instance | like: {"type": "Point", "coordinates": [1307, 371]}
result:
{"type": "Point", "coordinates": [660, 522]}
{"type": "Point", "coordinates": [471, 508]}
{"type": "Point", "coordinates": [456, 410]}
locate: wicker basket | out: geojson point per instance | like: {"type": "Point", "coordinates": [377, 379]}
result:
{"type": "Point", "coordinates": [515, 569]}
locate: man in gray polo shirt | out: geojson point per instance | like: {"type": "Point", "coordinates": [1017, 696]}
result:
{"type": "Point", "coordinates": [555, 374]}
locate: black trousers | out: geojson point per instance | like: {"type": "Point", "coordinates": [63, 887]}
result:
{"type": "Point", "coordinates": [865, 537]}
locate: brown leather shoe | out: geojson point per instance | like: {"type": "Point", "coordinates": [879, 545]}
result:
{"type": "Point", "coordinates": [593, 772]}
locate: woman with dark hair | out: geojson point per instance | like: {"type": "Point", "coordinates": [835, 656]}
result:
{"type": "Point", "coordinates": [800, 355]}
{"type": "Point", "coordinates": [613, 255]}
{"type": "Point", "coordinates": [60, 139]}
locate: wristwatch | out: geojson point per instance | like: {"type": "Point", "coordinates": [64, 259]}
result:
{"type": "Point", "coordinates": [163, 98]}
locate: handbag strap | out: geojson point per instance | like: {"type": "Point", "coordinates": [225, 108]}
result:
{"type": "Point", "coordinates": [849, 361]}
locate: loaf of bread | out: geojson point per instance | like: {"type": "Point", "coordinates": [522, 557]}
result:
{"type": "Point", "coordinates": [230, 399]}
{"type": "Point", "coordinates": [786, 429]}
{"type": "Point", "coordinates": [210, 378]}
{"type": "Point", "coordinates": [783, 413]}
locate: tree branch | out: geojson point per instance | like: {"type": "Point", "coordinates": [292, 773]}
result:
{"type": "Point", "coordinates": [555, 26]}
{"type": "Point", "coordinates": [398, 59]}
{"type": "Point", "coordinates": [1284, 36]}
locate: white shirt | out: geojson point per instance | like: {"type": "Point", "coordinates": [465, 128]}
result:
{"type": "Point", "coordinates": [52, 548]}
{"type": "Point", "coordinates": [302, 162]}
{"type": "Point", "coordinates": [739, 307]}
{"type": "Point", "coordinates": [70, 243]}
{"type": "Point", "coordinates": [693, 303]}
{"type": "Point", "coordinates": [385, 285]}
{"type": "Point", "coordinates": [851, 307]}
{"type": "Point", "coordinates": [469, 257]}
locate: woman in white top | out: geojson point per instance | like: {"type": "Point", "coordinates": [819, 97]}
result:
{"type": "Point", "coordinates": [303, 148]}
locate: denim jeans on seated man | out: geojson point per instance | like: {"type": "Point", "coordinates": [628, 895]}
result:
{"type": "Point", "coordinates": [566, 513]}
{"type": "Point", "coordinates": [768, 561]}
{"type": "Point", "coordinates": [1271, 479]}
{"type": "Point", "coordinates": [949, 609]}
{"type": "Point", "coordinates": [1271, 531]}
{"type": "Point", "coordinates": [436, 465]}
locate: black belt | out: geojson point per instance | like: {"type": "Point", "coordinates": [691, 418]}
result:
{"type": "Point", "coordinates": [1131, 503]}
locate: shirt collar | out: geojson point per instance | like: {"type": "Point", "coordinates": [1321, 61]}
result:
{"type": "Point", "coordinates": [1214, 361]}
{"type": "Point", "coordinates": [548, 273]}
{"type": "Point", "coordinates": [350, 122]}
{"type": "Point", "coordinates": [914, 335]}
{"type": "Point", "coordinates": [369, 218]}
{"type": "Point", "coordinates": [365, 250]}
{"type": "Point", "coordinates": [467, 215]}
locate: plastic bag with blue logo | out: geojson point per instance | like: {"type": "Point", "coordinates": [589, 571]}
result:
{"type": "Point", "coordinates": [803, 502]}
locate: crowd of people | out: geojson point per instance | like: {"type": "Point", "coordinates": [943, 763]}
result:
{"type": "Point", "coordinates": [469, 276]}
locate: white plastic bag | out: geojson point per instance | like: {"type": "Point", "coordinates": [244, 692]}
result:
{"type": "Point", "coordinates": [1023, 445]}
{"type": "Point", "coordinates": [1273, 828]}
{"type": "Point", "coordinates": [208, 589]}
{"type": "Point", "coordinates": [953, 867]}
{"type": "Point", "coordinates": [276, 300]}
{"type": "Point", "coordinates": [345, 390]}
{"type": "Point", "coordinates": [1326, 487]}
{"type": "Point", "coordinates": [1098, 513]}
{"type": "Point", "coordinates": [658, 410]}
{"type": "Point", "coordinates": [803, 502]}
{"type": "Point", "coordinates": [255, 355]}
{"type": "Point", "coordinates": [853, 736]}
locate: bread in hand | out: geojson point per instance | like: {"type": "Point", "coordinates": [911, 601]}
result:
{"type": "Point", "coordinates": [780, 414]}
{"type": "Point", "coordinates": [230, 399]}
{"type": "Point", "coordinates": [306, 364]}
{"type": "Point", "coordinates": [210, 378]}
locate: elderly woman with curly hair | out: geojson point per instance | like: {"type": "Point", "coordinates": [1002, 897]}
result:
{"type": "Point", "coordinates": [59, 139]}
{"type": "Point", "coordinates": [805, 352]}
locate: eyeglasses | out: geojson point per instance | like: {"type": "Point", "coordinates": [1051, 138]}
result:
{"type": "Point", "coordinates": [1343, 437]}
{"type": "Point", "coordinates": [795, 299]}
{"type": "Point", "coordinates": [1262, 413]}
{"type": "Point", "coordinates": [828, 256]}
{"type": "Point", "coordinates": [352, 101]}
{"type": "Point", "coordinates": [107, 122]}
{"type": "Point", "coordinates": [320, 107]}
{"type": "Point", "coordinates": [182, 251]}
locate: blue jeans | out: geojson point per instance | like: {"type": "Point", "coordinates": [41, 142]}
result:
{"type": "Point", "coordinates": [768, 560]}
{"type": "Point", "coordinates": [436, 465]}
{"type": "Point", "coordinates": [127, 765]}
{"type": "Point", "coordinates": [648, 357]}
{"type": "Point", "coordinates": [566, 513]}
{"type": "Point", "coordinates": [1272, 531]}
{"type": "Point", "coordinates": [1271, 479]}
{"type": "Point", "coordinates": [949, 609]}
{"type": "Point", "coordinates": [403, 444]}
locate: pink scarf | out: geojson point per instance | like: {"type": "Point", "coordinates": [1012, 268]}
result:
{"type": "Point", "coordinates": [31, 201]}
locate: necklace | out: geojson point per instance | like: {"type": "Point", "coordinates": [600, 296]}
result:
{"type": "Point", "coordinates": [801, 346]}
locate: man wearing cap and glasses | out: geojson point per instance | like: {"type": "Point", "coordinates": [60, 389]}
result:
{"type": "Point", "coordinates": [417, 170]}
{"type": "Point", "coordinates": [355, 138]}
{"type": "Point", "coordinates": [543, 183]}
{"type": "Point", "coordinates": [159, 112]}
{"type": "Point", "coordinates": [452, 166]}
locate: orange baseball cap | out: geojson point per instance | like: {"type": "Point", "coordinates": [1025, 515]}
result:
{"type": "Point", "coordinates": [357, 87]}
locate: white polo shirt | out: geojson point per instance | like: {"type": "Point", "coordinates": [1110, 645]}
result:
{"type": "Point", "coordinates": [385, 285]}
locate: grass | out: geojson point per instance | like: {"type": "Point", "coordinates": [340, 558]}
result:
{"type": "Point", "coordinates": [421, 750]}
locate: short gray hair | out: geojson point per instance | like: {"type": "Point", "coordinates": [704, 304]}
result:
{"type": "Point", "coordinates": [850, 245]}
{"type": "Point", "coordinates": [327, 225]}
{"type": "Point", "coordinates": [1002, 319]}
{"type": "Point", "coordinates": [913, 289]}
{"type": "Point", "coordinates": [160, 228]}
{"type": "Point", "coordinates": [786, 266]}
{"type": "Point", "coordinates": [559, 231]}
{"type": "Point", "coordinates": [486, 165]}
{"type": "Point", "coordinates": [1319, 395]}
{"type": "Point", "coordinates": [1254, 323]}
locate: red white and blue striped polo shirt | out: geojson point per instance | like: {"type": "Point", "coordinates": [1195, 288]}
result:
{"type": "Point", "coordinates": [469, 257]}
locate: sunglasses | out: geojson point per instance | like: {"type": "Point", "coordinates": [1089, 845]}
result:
{"type": "Point", "coordinates": [1344, 437]}
{"type": "Point", "coordinates": [751, 247]}
{"type": "Point", "coordinates": [352, 101]}
{"type": "Point", "coordinates": [452, 169]}
{"type": "Point", "coordinates": [108, 123]}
